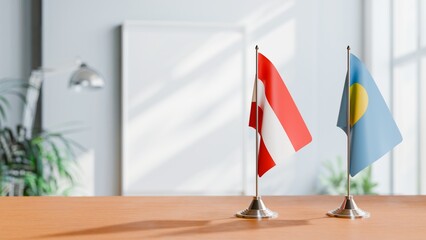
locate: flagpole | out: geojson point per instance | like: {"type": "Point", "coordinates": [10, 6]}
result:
{"type": "Point", "coordinates": [348, 85]}
{"type": "Point", "coordinates": [348, 209]}
{"type": "Point", "coordinates": [257, 209]}
{"type": "Point", "coordinates": [257, 126]}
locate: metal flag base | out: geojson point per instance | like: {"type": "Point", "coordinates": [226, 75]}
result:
{"type": "Point", "coordinates": [257, 209]}
{"type": "Point", "coordinates": [348, 209]}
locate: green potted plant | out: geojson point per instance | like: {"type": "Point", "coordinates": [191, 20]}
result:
{"type": "Point", "coordinates": [32, 166]}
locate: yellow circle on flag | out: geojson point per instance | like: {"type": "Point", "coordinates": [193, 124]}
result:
{"type": "Point", "coordinates": [359, 102]}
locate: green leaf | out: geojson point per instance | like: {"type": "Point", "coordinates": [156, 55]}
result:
{"type": "Point", "coordinates": [30, 182]}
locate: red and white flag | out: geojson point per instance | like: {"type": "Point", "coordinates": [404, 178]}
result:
{"type": "Point", "coordinates": [281, 127]}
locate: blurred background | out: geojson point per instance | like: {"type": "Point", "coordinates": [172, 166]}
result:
{"type": "Point", "coordinates": [172, 116]}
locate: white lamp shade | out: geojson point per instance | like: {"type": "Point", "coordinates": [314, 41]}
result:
{"type": "Point", "coordinates": [86, 77]}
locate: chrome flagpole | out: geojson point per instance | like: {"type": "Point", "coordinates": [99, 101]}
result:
{"type": "Point", "coordinates": [257, 208]}
{"type": "Point", "coordinates": [256, 80]}
{"type": "Point", "coordinates": [348, 209]}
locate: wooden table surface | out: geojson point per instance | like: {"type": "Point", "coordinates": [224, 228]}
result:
{"type": "Point", "coordinates": [300, 217]}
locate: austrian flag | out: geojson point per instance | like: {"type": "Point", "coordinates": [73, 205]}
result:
{"type": "Point", "coordinates": [281, 127]}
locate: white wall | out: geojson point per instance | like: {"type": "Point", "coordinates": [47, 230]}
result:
{"type": "Point", "coordinates": [15, 47]}
{"type": "Point", "coordinates": [310, 52]}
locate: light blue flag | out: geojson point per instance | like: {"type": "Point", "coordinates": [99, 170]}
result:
{"type": "Point", "coordinates": [373, 129]}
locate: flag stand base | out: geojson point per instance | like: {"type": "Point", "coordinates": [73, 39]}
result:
{"type": "Point", "coordinates": [257, 209]}
{"type": "Point", "coordinates": [348, 209]}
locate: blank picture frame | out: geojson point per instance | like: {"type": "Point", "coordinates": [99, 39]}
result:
{"type": "Point", "coordinates": [183, 108]}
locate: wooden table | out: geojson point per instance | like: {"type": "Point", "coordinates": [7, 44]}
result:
{"type": "Point", "coordinates": [392, 217]}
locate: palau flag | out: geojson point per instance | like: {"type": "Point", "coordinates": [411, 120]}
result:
{"type": "Point", "coordinates": [373, 129]}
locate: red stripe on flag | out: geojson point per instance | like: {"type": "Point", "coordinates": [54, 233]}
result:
{"type": "Point", "coordinates": [265, 160]}
{"type": "Point", "coordinates": [252, 120]}
{"type": "Point", "coordinates": [282, 103]}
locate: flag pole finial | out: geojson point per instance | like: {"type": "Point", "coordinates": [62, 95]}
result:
{"type": "Point", "coordinates": [348, 48]}
{"type": "Point", "coordinates": [257, 47]}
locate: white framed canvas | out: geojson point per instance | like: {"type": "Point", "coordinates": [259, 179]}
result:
{"type": "Point", "coordinates": [183, 109]}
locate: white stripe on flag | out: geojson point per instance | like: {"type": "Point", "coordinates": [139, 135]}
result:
{"type": "Point", "coordinates": [273, 134]}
